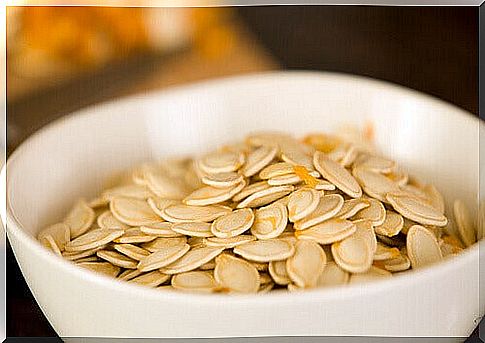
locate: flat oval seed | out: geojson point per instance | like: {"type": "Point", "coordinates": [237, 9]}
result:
{"type": "Point", "coordinates": [415, 191]}
{"type": "Point", "coordinates": [328, 207]}
{"type": "Point", "coordinates": [302, 202]}
{"type": "Point", "coordinates": [60, 233]}
{"type": "Point", "coordinates": [306, 264]}
{"type": "Point", "coordinates": [236, 275]}
{"type": "Point", "coordinates": [266, 196]}
{"type": "Point", "coordinates": [384, 252]}
{"type": "Point", "coordinates": [208, 266]}
{"type": "Point", "coordinates": [464, 223]}
{"type": "Point", "coordinates": [414, 209]}
{"type": "Point", "coordinates": [366, 230]}
{"type": "Point", "coordinates": [375, 163]}
{"type": "Point", "coordinates": [288, 236]}
{"type": "Point", "coordinates": [399, 177]}
{"type": "Point", "coordinates": [163, 257]}
{"type": "Point", "coordinates": [93, 239]}
{"type": "Point", "coordinates": [353, 254]}
{"type": "Point", "coordinates": [89, 259]}
{"type": "Point", "coordinates": [132, 211]}
{"type": "Point", "coordinates": [276, 169]}
{"type": "Point", "coordinates": [374, 184]}
{"type": "Point", "coordinates": [288, 179]}
{"type": "Point", "coordinates": [134, 235]}
{"type": "Point", "coordinates": [191, 177]}
{"type": "Point", "coordinates": [221, 162]}
{"type": "Point", "coordinates": [138, 175]}
{"type": "Point", "coordinates": [270, 221]}
{"type": "Point", "coordinates": [283, 201]}
{"type": "Point", "coordinates": [75, 256]}
{"type": "Point", "coordinates": [164, 243]}
{"type": "Point", "coordinates": [132, 251]}
{"type": "Point", "coordinates": [277, 270]}
{"type": "Point", "coordinates": [258, 159]}
{"type": "Point", "coordinates": [323, 185]}
{"type": "Point", "coordinates": [348, 155]}
{"type": "Point", "coordinates": [106, 220]}
{"type": "Point", "coordinates": [422, 247]}
{"type": "Point", "coordinates": [328, 232]}
{"type": "Point", "coordinates": [372, 274]}
{"type": "Point", "coordinates": [101, 267]}
{"type": "Point", "coordinates": [265, 250]}
{"type": "Point", "coordinates": [351, 207]}
{"type": "Point", "coordinates": [376, 212]}
{"type": "Point", "coordinates": [336, 174]}
{"type": "Point", "coordinates": [435, 198]}
{"type": "Point", "coordinates": [117, 259]}
{"type": "Point", "coordinates": [392, 225]}
{"type": "Point", "coordinates": [127, 191]}
{"type": "Point", "coordinates": [210, 195]}
{"type": "Point", "coordinates": [294, 154]}
{"type": "Point", "coordinates": [166, 288]}
{"type": "Point", "coordinates": [223, 180]}
{"type": "Point", "coordinates": [185, 213]}
{"type": "Point", "coordinates": [250, 189]}
{"type": "Point", "coordinates": [80, 218]}
{"type": "Point", "coordinates": [195, 258]}
{"type": "Point", "coordinates": [268, 138]}
{"type": "Point", "coordinates": [51, 244]}
{"type": "Point", "coordinates": [397, 264]}
{"type": "Point", "coordinates": [158, 205]}
{"type": "Point", "coordinates": [162, 229]}
{"type": "Point", "coordinates": [332, 275]}
{"type": "Point", "coordinates": [194, 229]}
{"type": "Point", "coordinates": [165, 185]}
{"type": "Point", "coordinates": [228, 243]}
{"type": "Point", "coordinates": [129, 274]}
{"type": "Point", "coordinates": [233, 224]}
{"type": "Point", "coordinates": [196, 242]}
{"type": "Point", "coordinates": [195, 281]}
{"type": "Point", "coordinates": [97, 202]}
{"type": "Point", "coordinates": [152, 279]}
{"type": "Point", "coordinates": [407, 225]}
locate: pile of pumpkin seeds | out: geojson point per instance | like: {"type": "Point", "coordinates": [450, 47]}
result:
{"type": "Point", "coordinates": [272, 212]}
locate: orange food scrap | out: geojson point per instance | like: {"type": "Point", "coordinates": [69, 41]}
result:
{"type": "Point", "coordinates": [303, 174]}
{"type": "Point", "coordinates": [452, 241]}
{"type": "Point", "coordinates": [322, 142]}
{"type": "Point", "coordinates": [369, 131]}
{"type": "Point", "coordinates": [395, 253]}
{"type": "Point", "coordinates": [379, 264]}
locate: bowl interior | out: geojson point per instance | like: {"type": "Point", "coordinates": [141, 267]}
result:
{"type": "Point", "coordinates": [75, 156]}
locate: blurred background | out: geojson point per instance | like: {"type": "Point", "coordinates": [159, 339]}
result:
{"type": "Point", "coordinates": [60, 59]}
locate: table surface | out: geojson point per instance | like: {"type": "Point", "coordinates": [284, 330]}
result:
{"type": "Point", "coordinates": [431, 49]}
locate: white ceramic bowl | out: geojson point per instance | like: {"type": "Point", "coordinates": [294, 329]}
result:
{"type": "Point", "coordinates": [73, 156]}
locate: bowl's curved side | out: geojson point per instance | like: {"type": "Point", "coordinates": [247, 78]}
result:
{"type": "Point", "coordinates": [99, 140]}
{"type": "Point", "coordinates": [86, 305]}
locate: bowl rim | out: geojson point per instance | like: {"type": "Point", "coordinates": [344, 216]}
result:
{"type": "Point", "coordinates": [15, 228]}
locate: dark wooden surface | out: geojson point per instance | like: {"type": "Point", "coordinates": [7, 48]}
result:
{"type": "Point", "coordinates": [427, 48]}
